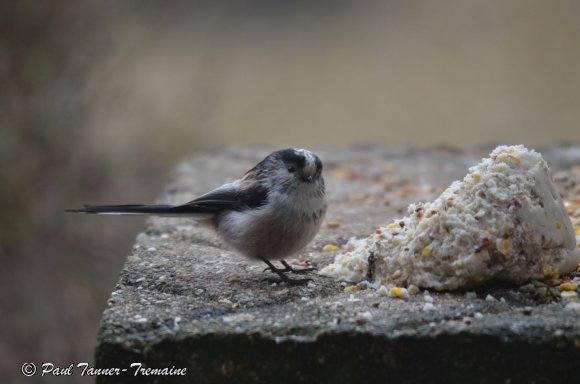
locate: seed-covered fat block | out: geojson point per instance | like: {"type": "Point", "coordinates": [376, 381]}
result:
{"type": "Point", "coordinates": [505, 220]}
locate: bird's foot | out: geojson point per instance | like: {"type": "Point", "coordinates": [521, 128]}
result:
{"type": "Point", "coordinates": [282, 273]}
{"type": "Point", "coordinates": [288, 268]}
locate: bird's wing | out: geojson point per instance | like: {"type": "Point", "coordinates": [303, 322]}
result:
{"type": "Point", "coordinates": [232, 196]}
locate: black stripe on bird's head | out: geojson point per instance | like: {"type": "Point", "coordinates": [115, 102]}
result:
{"type": "Point", "coordinates": [305, 164]}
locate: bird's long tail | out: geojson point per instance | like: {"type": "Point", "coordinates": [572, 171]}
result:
{"type": "Point", "coordinates": [135, 209]}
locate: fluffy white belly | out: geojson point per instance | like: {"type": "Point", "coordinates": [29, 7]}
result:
{"type": "Point", "coordinates": [273, 232]}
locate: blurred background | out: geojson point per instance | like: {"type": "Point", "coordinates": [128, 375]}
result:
{"type": "Point", "coordinates": [100, 99]}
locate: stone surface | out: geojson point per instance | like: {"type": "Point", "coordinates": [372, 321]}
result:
{"type": "Point", "coordinates": [184, 300]}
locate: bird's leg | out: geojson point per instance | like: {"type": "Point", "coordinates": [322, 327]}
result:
{"type": "Point", "coordinates": [282, 274]}
{"type": "Point", "coordinates": [273, 268]}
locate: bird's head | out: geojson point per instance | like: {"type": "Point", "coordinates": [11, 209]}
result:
{"type": "Point", "coordinates": [291, 169]}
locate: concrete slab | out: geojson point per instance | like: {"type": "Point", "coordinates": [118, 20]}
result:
{"type": "Point", "coordinates": [185, 301]}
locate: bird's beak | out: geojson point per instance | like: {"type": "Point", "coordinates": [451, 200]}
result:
{"type": "Point", "coordinates": [307, 178]}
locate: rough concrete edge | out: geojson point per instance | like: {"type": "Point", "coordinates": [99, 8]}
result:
{"type": "Point", "coordinates": [351, 357]}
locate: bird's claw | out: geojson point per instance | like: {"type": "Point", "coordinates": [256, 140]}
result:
{"type": "Point", "coordinates": [302, 270]}
{"type": "Point", "coordinates": [290, 269]}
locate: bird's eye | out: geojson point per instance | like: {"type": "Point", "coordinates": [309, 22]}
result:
{"type": "Point", "coordinates": [291, 169]}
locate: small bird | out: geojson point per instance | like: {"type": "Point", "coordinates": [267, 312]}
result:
{"type": "Point", "coordinates": [271, 213]}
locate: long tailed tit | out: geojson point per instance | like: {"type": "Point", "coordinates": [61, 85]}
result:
{"type": "Point", "coordinates": [271, 213]}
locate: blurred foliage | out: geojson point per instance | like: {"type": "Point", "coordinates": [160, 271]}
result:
{"type": "Point", "coordinates": [55, 275]}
